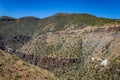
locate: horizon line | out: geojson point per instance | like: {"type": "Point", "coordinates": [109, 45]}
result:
{"type": "Point", "coordinates": [58, 13]}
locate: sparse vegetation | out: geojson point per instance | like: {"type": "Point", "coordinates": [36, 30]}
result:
{"type": "Point", "coordinates": [13, 68]}
{"type": "Point", "coordinates": [65, 44]}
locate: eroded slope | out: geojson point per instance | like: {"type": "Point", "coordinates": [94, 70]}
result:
{"type": "Point", "coordinates": [13, 68]}
{"type": "Point", "coordinates": [75, 54]}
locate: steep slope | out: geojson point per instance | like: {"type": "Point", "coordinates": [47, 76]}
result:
{"type": "Point", "coordinates": [13, 68]}
{"type": "Point", "coordinates": [69, 52]}
{"type": "Point", "coordinates": [15, 32]}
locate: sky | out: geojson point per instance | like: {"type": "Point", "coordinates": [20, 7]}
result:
{"type": "Point", "coordinates": [45, 8]}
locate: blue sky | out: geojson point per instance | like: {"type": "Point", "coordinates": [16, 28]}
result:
{"type": "Point", "coordinates": [45, 8]}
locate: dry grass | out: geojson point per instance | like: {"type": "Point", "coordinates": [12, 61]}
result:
{"type": "Point", "coordinates": [13, 68]}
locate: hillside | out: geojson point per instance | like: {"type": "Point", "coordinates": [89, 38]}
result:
{"type": "Point", "coordinates": [64, 21]}
{"type": "Point", "coordinates": [15, 33]}
{"type": "Point", "coordinates": [14, 30]}
{"type": "Point", "coordinates": [79, 50]}
{"type": "Point", "coordinates": [13, 68]}
{"type": "Point", "coordinates": [71, 46]}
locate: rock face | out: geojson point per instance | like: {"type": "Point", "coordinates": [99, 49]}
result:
{"type": "Point", "coordinates": [104, 62]}
{"type": "Point", "coordinates": [11, 44]}
{"type": "Point", "coordinates": [102, 29]}
{"type": "Point", "coordinates": [2, 44]}
{"type": "Point", "coordinates": [48, 63]}
{"type": "Point", "coordinates": [21, 38]}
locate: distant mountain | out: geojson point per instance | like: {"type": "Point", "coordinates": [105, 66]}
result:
{"type": "Point", "coordinates": [7, 18]}
{"type": "Point", "coordinates": [28, 18]}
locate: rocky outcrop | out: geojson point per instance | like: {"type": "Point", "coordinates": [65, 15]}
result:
{"type": "Point", "coordinates": [2, 44]}
{"type": "Point", "coordinates": [49, 63]}
{"type": "Point", "coordinates": [102, 29]}
{"type": "Point", "coordinates": [11, 43]}
{"type": "Point", "coordinates": [21, 38]}
{"type": "Point", "coordinates": [90, 29]}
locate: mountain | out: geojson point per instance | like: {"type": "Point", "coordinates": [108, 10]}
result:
{"type": "Point", "coordinates": [71, 46]}
{"type": "Point", "coordinates": [14, 33]}
{"type": "Point", "coordinates": [13, 68]}
{"type": "Point", "coordinates": [7, 18]}
{"type": "Point", "coordinates": [29, 18]}
{"type": "Point", "coordinates": [83, 50]}
{"type": "Point", "coordinates": [24, 27]}
{"type": "Point", "coordinates": [63, 21]}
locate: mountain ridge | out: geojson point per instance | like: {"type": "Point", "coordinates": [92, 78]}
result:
{"type": "Point", "coordinates": [58, 14]}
